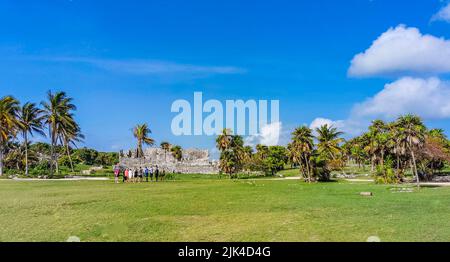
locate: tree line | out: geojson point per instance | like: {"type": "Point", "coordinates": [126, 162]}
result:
{"type": "Point", "coordinates": [52, 118]}
{"type": "Point", "coordinates": [390, 149]}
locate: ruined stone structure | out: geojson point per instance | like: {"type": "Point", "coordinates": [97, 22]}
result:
{"type": "Point", "coordinates": [194, 161]}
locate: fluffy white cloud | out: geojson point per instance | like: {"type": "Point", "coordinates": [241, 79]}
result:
{"type": "Point", "coordinates": [269, 135]}
{"type": "Point", "coordinates": [403, 50]}
{"type": "Point", "coordinates": [349, 126]}
{"type": "Point", "coordinates": [318, 122]}
{"type": "Point", "coordinates": [443, 14]}
{"type": "Point", "coordinates": [428, 98]}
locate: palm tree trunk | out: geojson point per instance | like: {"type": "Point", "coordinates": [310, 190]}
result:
{"type": "Point", "coordinates": [307, 168]}
{"type": "Point", "coordinates": [1, 159]}
{"type": "Point", "coordinates": [139, 149]}
{"type": "Point", "coordinates": [70, 158]}
{"type": "Point", "coordinates": [372, 164]}
{"type": "Point", "coordinates": [415, 168]}
{"type": "Point", "coordinates": [52, 153]}
{"type": "Point", "coordinates": [25, 140]}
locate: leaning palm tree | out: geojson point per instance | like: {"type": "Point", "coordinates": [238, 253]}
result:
{"type": "Point", "coordinates": [412, 132]}
{"type": "Point", "coordinates": [9, 124]}
{"type": "Point", "coordinates": [57, 113]}
{"type": "Point", "coordinates": [31, 119]}
{"type": "Point", "coordinates": [141, 133]}
{"type": "Point", "coordinates": [70, 135]}
{"type": "Point", "coordinates": [166, 147]}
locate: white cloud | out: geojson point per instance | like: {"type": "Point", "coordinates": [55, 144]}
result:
{"type": "Point", "coordinates": [403, 50]}
{"type": "Point", "coordinates": [318, 122]}
{"type": "Point", "coordinates": [443, 14]}
{"type": "Point", "coordinates": [348, 126]}
{"type": "Point", "coordinates": [269, 135]}
{"type": "Point", "coordinates": [428, 98]}
{"type": "Point", "coordinates": [149, 67]}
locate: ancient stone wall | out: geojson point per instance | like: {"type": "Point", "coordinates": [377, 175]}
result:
{"type": "Point", "coordinates": [194, 161]}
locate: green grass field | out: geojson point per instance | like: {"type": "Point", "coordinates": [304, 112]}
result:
{"type": "Point", "coordinates": [220, 210]}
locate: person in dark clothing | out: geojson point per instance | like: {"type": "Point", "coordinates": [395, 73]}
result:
{"type": "Point", "coordinates": [156, 173]}
{"type": "Point", "coordinates": [146, 174]}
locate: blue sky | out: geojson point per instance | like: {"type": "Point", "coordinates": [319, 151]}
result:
{"type": "Point", "coordinates": [125, 62]}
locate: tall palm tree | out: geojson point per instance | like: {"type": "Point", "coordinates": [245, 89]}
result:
{"type": "Point", "coordinates": [301, 149]}
{"type": "Point", "coordinates": [141, 133]}
{"type": "Point", "coordinates": [31, 119]}
{"type": "Point", "coordinates": [329, 141]}
{"type": "Point", "coordinates": [223, 141]}
{"type": "Point", "coordinates": [166, 147]}
{"type": "Point", "coordinates": [57, 113]}
{"type": "Point", "coordinates": [412, 132]}
{"type": "Point", "coordinates": [9, 124]}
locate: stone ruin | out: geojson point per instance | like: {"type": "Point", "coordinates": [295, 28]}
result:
{"type": "Point", "coordinates": [194, 161]}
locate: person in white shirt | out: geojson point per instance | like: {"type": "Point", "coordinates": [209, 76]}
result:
{"type": "Point", "coordinates": [151, 173]}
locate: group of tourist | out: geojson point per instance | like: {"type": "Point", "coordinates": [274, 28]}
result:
{"type": "Point", "coordinates": [137, 175]}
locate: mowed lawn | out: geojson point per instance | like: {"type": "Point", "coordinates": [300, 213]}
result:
{"type": "Point", "coordinates": [219, 210]}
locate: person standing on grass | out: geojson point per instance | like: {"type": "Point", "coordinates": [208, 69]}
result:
{"type": "Point", "coordinates": [130, 175]}
{"type": "Point", "coordinates": [141, 175]}
{"type": "Point", "coordinates": [136, 175]}
{"type": "Point", "coordinates": [146, 174]}
{"type": "Point", "coordinates": [125, 175]}
{"type": "Point", "coordinates": [156, 173]}
{"type": "Point", "coordinates": [116, 174]}
{"type": "Point", "coordinates": [151, 173]}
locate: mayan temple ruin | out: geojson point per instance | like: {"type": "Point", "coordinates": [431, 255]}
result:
{"type": "Point", "coordinates": [194, 161]}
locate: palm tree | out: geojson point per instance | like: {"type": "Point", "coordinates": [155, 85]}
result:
{"type": "Point", "coordinates": [329, 141]}
{"type": "Point", "coordinates": [223, 141]}
{"type": "Point", "coordinates": [412, 132]}
{"type": "Point", "coordinates": [177, 152]}
{"type": "Point", "coordinates": [31, 119]}
{"type": "Point", "coordinates": [9, 124]}
{"type": "Point", "coordinates": [301, 149]}
{"type": "Point", "coordinates": [248, 153]}
{"type": "Point", "coordinates": [381, 139]}
{"type": "Point", "coordinates": [166, 147]}
{"type": "Point", "coordinates": [262, 151]}
{"type": "Point", "coordinates": [70, 135]}
{"type": "Point", "coordinates": [57, 113]}
{"type": "Point", "coordinates": [141, 133]}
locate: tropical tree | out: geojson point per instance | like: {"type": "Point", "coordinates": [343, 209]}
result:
{"type": "Point", "coordinates": [411, 132]}
{"type": "Point", "coordinates": [141, 133]}
{"type": "Point", "coordinates": [232, 152]}
{"type": "Point", "coordinates": [301, 149]}
{"type": "Point", "coordinates": [31, 121]}
{"type": "Point", "coordinates": [329, 141]}
{"type": "Point", "coordinates": [57, 114]}
{"type": "Point", "coordinates": [223, 141]}
{"type": "Point", "coordinates": [166, 147]}
{"type": "Point", "coordinates": [9, 123]}
{"type": "Point", "coordinates": [70, 135]}
{"type": "Point", "coordinates": [276, 159]}
{"type": "Point", "coordinates": [262, 151]}
{"type": "Point", "coordinates": [177, 152]}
